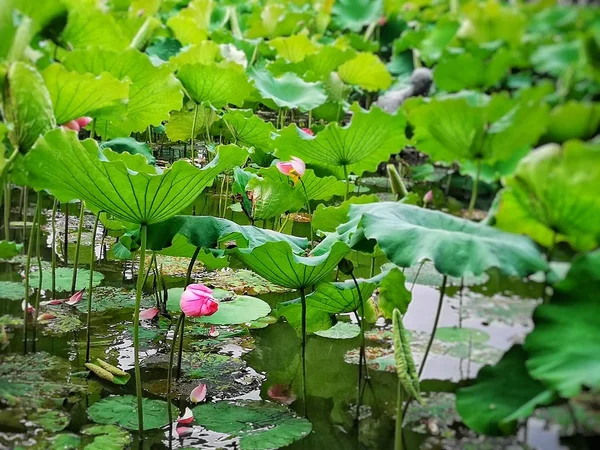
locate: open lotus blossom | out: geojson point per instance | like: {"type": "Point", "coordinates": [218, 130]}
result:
{"type": "Point", "coordinates": [213, 332]}
{"type": "Point", "coordinates": [308, 131]}
{"type": "Point", "coordinates": [75, 298]}
{"type": "Point", "coordinates": [198, 394]}
{"type": "Point", "coordinates": [197, 301]}
{"type": "Point", "coordinates": [282, 394]}
{"type": "Point", "coordinates": [149, 314]}
{"type": "Point", "coordinates": [293, 169]}
{"type": "Point", "coordinates": [428, 197]}
{"type": "Point", "coordinates": [30, 308]}
{"type": "Point", "coordinates": [77, 124]}
{"type": "Point", "coordinates": [187, 418]}
{"type": "Point", "coordinates": [46, 316]}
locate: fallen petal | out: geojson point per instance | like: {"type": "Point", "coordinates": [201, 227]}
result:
{"type": "Point", "coordinates": [75, 298]}
{"type": "Point", "coordinates": [213, 332]}
{"type": "Point", "coordinates": [52, 302]}
{"type": "Point", "coordinates": [198, 394]}
{"type": "Point", "coordinates": [282, 394]}
{"type": "Point", "coordinates": [30, 309]}
{"type": "Point", "coordinates": [184, 431]}
{"type": "Point", "coordinates": [46, 316]}
{"type": "Point", "coordinates": [148, 314]}
{"type": "Point", "coordinates": [188, 417]}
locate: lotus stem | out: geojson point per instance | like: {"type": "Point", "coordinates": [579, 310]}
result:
{"type": "Point", "coordinates": [370, 29]}
{"type": "Point", "coordinates": [347, 182]}
{"type": "Point", "coordinates": [27, 275]}
{"type": "Point", "coordinates": [312, 237]}
{"type": "Point", "coordinates": [25, 208]}
{"type": "Point", "coordinates": [66, 248]}
{"type": "Point", "coordinates": [188, 280]}
{"type": "Point", "coordinates": [234, 23]}
{"type": "Point", "coordinates": [9, 162]}
{"type": "Point", "coordinates": [7, 202]}
{"type": "Point", "coordinates": [475, 188]}
{"type": "Point", "coordinates": [363, 354]}
{"type": "Point", "coordinates": [38, 239]}
{"type": "Point", "coordinates": [170, 368]}
{"type": "Point", "coordinates": [53, 224]}
{"type": "Point", "coordinates": [435, 324]}
{"type": "Point", "coordinates": [417, 275]}
{"type": "Point", "coordinates": [372, 269]}
{"type": "Point", "coordinates": [398, 439]}
{"type": "Point", "coordinates": [136, 329]}
{"type": "Point", "coordinates": [77, 248]}
{"type": "Point", "coordinates": [454, 6]}
{"type": "Point", "coordinates": [310, 118]}
{"type": "Point", "coordinates": [303, 351]}
{"type": "Point", "coordinates": [91, 290]}
{"type": "Point", "coordinates": [193, 133]}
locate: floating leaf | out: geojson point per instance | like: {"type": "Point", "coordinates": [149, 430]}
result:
{"type": "Point", "coordinates": [241, 309]}
{"type": "Point", "coordinates": [107, 437]}
{"type": "Point", "coordinates": [341, 330]}
{"type": "Point", "coordinates": [122, 410]}
{"type": "Point", "coordinates": [9, 249]}
{"type": "Point", "coordinates": [405, 365]}
{"type": "Point", "coordinates": [366, 71]}
{"type": "Point", "coordinates": [64, 279]}
{"type": "Point", "coordinates": [12, 290]}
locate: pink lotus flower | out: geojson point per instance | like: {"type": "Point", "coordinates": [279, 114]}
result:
{"type": "Point", "coordinates": [308, 131]}
{"type": "Point", "coordinates": [428, 197]}
{"type": "Point", "coordinates": [149, 314]}
{"type": "Point", "coordinates": [77, 124]}
{"type": "Point", "coordinates": [382, 21]}
{"type": "Point", "coordinates": [46, 316]}
{"type": "Point", "coordinates": [75, 298]}
{"type": "Point", "coordinates": [197, 301]}
{"type": "Point", "coordinates": [282, 394]}
{"type": "Point", "coordinates": [187, 418]}
{"type": "Point", "coordinates": [293, 169]}
{"type": "Point", "coordinates": [198, 394]}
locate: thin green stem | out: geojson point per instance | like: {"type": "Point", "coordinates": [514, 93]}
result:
{"type": "Point", "coordinates": [27, 276]}
{"type": "Point", "coordinates": [9, 162]}
{"type": "Point", "coordinates": [347, 182]}
{"type": "Point", "coordinates": [312, 237]}
{"type": "Point", "coordinates": [170, 368]}
{"type": "Point", "coordinates": [53, 224]}
{"type": "Point", "coordinates": [66, 247]}
{"type": "Point", "coordinates": [372, 269]}
{"type": "Point", "coordinates": [7, 202]}
{"type": "Point", "coordinates": [77, 248]}
{"type": "Point", "coordinates": [136, 330]}
{"type": "Point", "coordinates": [417, 275]}
{"type": "Point", "coordinates": [435, 324]}
{"type": "Point", "coordinates": [188, 280]}
{"type": "Point", "coordinates": [363, 356]}
{"type": "Point", "coordinates": [475, 188]}
{"type": "Point", "coordinates": [234, 22]}
{"type": "Point", "coordinates": [25, 208]}
{"type": "Point", "coordinates": [303, 351]}
{"type": "Point", "coordinates": [38, 251]}
{"type": "Point", "coordinates": [193, 133]}
{"type": "Point", "coordinates": [398, 440]}
{"type": "Point", "coordinates": [370, 29]}
{"type": "Point", "coordinates": [88, 334]}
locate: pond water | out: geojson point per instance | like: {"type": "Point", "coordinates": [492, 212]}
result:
{"type": "Point", "coordinates": [478, 323]}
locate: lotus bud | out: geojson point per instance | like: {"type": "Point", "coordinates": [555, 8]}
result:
{"type": "Point", "coordinates": [293, 169]}
{"type": "Point", "coordinates": [197, 301]}
{"type": "Point", "coordinates": [398, 187]}
{"type": "Point", "coordinates": [345, 266]}
{"type": "Point", "coordinates": [308, 131]}
{"type": "Point", "coordinates": [428, 197]}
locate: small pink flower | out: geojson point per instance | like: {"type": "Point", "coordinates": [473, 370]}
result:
{"type": "Point", "coordinates": [75, 298]}
{"type": "Point", "coordinates": [148, 314]}
{"type": "Point", "coordinates": [197, 301]}
{"type": "Point", "coordinates": [293, 169]}
{"type": "Point", "coordinates": [46, 316]}
{"type": "Point", "coordinates": [308, 131]}
{"type": "Point", "coordinates": [198, 394]}
{"type": "Point", "coordinates": [187, 418]}
{"type": "Point", "coordinates": [382, 21]}
{"type": "Point", "coordinates": [428, 197]}
{"type": "Point", "coordinates": [282, 394]}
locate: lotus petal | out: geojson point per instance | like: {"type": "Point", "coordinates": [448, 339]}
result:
{"type": "Point", "coordinates": [282, 393]}
{"type": "Point", "coordinates": [148, 314]}
{"type": "Point", "coordinates": [54, 302]}
{"type": "Point", "coordinates": [75, 298]}
{"type": "Point", "coordinates": [213, 332]}
{"type": "Point", "coordinates": [187, 418]}
{"type": "Point", "coordinates": [30, 309]}
{"type": "Point", "coordinates": [199, 393]}
{"type": "Point", "coordinates": [46, 316]}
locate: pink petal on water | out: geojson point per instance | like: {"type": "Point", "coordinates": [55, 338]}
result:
{"type": "Point", "coordinates": [282, 394]}
{"type": "Point", "coordinates": [198, 394]}
{"type": "Point", "coordinates": [213, 332]}
{"type": "Point", "coordinates": [75, 298]}
{"type": "Point", "coordinates": [148, 314]}
{"type": "Point", "coordinates": [46, 316]}
{"type": "Point", "coordinates": [187, 418]}
{"type": "Point", "coordinates": [52, 302]}
{"type": "Point", "coordinates": [184, 431]}
{"type": "Point", "coordinates": [30, 309]}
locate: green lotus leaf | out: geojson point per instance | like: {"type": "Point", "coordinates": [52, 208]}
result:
{"type": "Point", "coordinates": [340, 297]}
{"type": "Point", "coordinates": [164, 48]}
{"type": "Point", "coordinates": [191, 24]}
{"type": "Point", "coordinates": [501, 396]}
{"type": "Point", "coordinates": [341, 330]}
{"type": "Point", "coordinates": [179, 126]}
{"type": "Point", "coordinates": [314, 67]}
{"type": "Point", "coordinates": [273, 195]}
{"type": "Point", "coordinates": [251, 132]}
{"type": "Point", "coordinates": [371, 137]}
{"type": "Point", "coordinates": [277, 262]}
{"type": "Point", "coordinates": [328, 218]}
{"type": "Point", "coordinates": [555, 59]}
{"type": "Point", "coordinates": [276, 20]}
{"type": "Point", "coordinates": [316, 319]}
{"type": "Point", "coordinates": [70, 169]}
{"type": "Point", "coordinates": [545, 200]}
{"type": "Point", "coordinates": [353, 15]}
{"type": "Point", "coordinates": [9, 249]}
{"type": "Point", "coordinates": [408, 234]}
{"type": "Point", "coordinates": [106, 437]}
{"type": "Point", "coordinates": [76, 95]}
{"type": "Point", "coordinates": [451, 73]}
{"type": "Point", "coordinates": [321, 188]}
{"type": "Point", "coordinates": [366, 71]}
{"type": "Point", "coordinates": [288, 91]}
{"type": "Point", "coordinates": [218, 85]}
{"type": "Point", "coordinates": [26, 105]}
{"type": "Point", "coordinates": [488, 129]}
{"type": "Point", "coordinates": [206, 52]}
{"type": "Point", "coordinates": [87, 28]}
{"type": "Point", "coordinates": [573, 120]}
{"type": "Point", "coordinates": [259, 425]}
{"type": "Point", "coordinates": [431, 42]}
{"type": "Point", "coordinates": [571, 314]}
{"type": "Point", "coordinates": [492, 21]}
{"type": "Point", "coordinates": [131, 146]}
{"type": "Point", "coordinates": [393, 293]}
{"type": "Point", "coordinates": [40, 13]}
{"type": "Point", "coordinates": [209, 232]}
{"type": "Point", "coordinates": [242, 309]}
{"type": "Point", "coordinates": [12, 290]}
{"type": "Point", "coordinates": [122, 410]}
{"type": "Point", "coordinates": [153, 93]}
{"type": "Point", "coordinates": [294, 48]}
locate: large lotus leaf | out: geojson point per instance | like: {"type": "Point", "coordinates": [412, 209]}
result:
{"type": "Point", "coordinates": [41, 13]}
{"type": "Point", "coordinates": [218, 85]}
{"type": "Point", "coordinates": [9, 249]}
{"type": "Point", "coordinates": [294, 48]}
{"type": "Point", "coordinates": [408, 235]}
{"type": "Point", "coordinates": [276, 20]}
{"type": "Point", "coordinates": [371, 137]}
{"type": "Point", "coordinates": [328, 218]}
{"type": "Point", "coordinates": [315, 67]}
{"type": "Point", "coordinates": [71, 169]}
{"type": "Point", "coordinates": [153, 93]}
{"type": "Point", "coordinates": [131, 146]}
{"type": "Point", "coordinates": [493, 21]}
{"type": "Point", "coordinates": [251, 132]}
{"type": "Point", "coordinates": [260, 425]}
{"type": "Point", "coordinates": [431, 42]}
{"type": "Point", "coordinates": [191, 24]}
{"type": "Point", "coordinates": [122, 410]}
{"type": "Point", "coordinates": [321, 188]}
{"type": "Point", "coordinates": [205, 52]}
{"type": "Point", "coordinates": [64, 278]}
{"type": "Point", "coordinates": [288, 91]}
{"type": "Point", "coordinates": [277, 262]}
{"type": "Point", "coordinates": [502, 395]}
{"type": "Point", "coordinates": [551, 197]}
{"type": "Point", "coordinates": [179, 126]}
{"type": "Point", "coordinates": [76, 94]}
{"type": "Point", "coordinates": [571, 362]}
{"type": "Point", "coordinates": [105, 437]}
{"type": "Point", "coordinates": [242, 309]}
{"type": "Point", "coordinates": [366, 71]}
{"type": "Point", "coordinates": [573, 120]}
{"type": "Point", "coordinates": [340, 297]}
{"type": "Point", "coordinates": [26, 105]}
{"type": "Point", "coordinates": [455, 128]}
{"type": "Point", "coordinates": [556, 59]}
{"type": "Point", "coordinates": [209, 232]}
{"type": "Point", "coordinates": [87, 28]}
{"type": "Point", "coordinates": [353, 15]}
